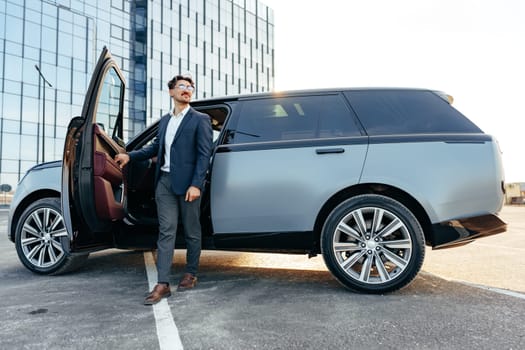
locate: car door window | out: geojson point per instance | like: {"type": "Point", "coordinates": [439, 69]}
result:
{"type": "Point", "coordinates": [293, 118]}
{"type": "Point", "coordinates": [108, 107]}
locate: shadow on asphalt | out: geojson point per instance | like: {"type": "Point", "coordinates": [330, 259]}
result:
{"type": "Point", "coordinates": [230, 271]}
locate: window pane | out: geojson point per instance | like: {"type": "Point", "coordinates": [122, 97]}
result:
{"type": "Point", "coordinates": [12, 69]}
{"type": "Point", "coordinates": [11, 126]}
{"type": "Point", "coordinates": [9, 166]}
{"type": "Point", "coordinates": [13, 29]}
{"type": "Point", "coordinates": [28, 152]}
{"type": "Point", "coordinates": [30, 108]}
{"type": "Point", "coordinates": [387, 112]}
{"type": "Point", "coordinates": [109, 102]}
{"type": "Point", "coordinates": [289, 118]}
{"type": "Point", "coordinates": [32, 38]}
{"type": "Point", "coordinates": [336, 119]}
{"type": "Point", "coordinates": [49, 39]}
{"type": "Point", "coordinates": [11, 147]}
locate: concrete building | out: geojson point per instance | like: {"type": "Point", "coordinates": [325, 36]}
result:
{"type": "Point", "coordinates": [48, 50]}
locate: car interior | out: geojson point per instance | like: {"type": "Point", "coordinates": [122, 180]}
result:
{"type": "Point", "coordinates": [141, 208]}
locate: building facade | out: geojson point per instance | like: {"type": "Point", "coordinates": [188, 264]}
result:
{"type": "Point", "coordinates": [48, 50]}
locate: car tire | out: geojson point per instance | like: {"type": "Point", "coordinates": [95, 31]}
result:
{"type": "Point", "coordinates": [373, 244]}
{"type": "Point", "coordinates": [41, 239]}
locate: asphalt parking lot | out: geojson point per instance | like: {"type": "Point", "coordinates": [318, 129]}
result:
{"type": "Point", "coordinates": [263, 301]}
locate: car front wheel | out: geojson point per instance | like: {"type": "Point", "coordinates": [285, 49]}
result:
{"type": "Point", "coordinates": [41, 239]}
{"type": "Point", "coordinates": [373, 244]}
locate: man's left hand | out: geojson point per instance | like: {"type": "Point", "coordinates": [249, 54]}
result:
{"type": "Point", "coordinates": [192, 193]}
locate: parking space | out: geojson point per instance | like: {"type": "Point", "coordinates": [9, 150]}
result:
{"type": "Point", "coordinates": [247, 301]}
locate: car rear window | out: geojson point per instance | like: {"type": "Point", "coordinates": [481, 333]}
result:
{"type": "Point", "coordinates": [389, 112]}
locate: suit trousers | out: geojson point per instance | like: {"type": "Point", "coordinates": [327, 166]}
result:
{"type": "Point", "coordinates": [170, 209]}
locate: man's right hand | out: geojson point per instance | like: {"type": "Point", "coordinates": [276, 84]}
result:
{"type": "Point", "coordinates": [122, 159]}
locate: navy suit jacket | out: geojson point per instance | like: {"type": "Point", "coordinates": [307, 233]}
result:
{"type": "Point", "coordinates": [190, 151]}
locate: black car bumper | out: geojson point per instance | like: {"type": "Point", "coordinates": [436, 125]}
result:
{"type": "Point", "coordinates": [462, 231]}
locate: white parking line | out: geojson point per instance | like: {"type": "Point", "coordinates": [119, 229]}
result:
{"type": "Point", "coordinates": [495, 290]}
{"type": "Point", "coordinates": [167, 331]}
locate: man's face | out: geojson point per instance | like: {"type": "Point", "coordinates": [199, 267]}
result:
{"type": "Point", "coordinates": [181, 91]}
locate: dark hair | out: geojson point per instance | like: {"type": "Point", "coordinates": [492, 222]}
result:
{"type": "Point", "coordinates": [172, 82]}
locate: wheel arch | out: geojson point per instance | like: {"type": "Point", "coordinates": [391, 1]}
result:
{"type": "Point", "coordinates": [372, 188]}
{"type": "Point", "coordinates": [24, 203]}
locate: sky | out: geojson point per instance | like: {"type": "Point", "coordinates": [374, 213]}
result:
{"type": "Point", "coordinates": [473, 50]}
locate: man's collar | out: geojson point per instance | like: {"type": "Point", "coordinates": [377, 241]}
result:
{"type": "Point", "coordinates": [182, 113]}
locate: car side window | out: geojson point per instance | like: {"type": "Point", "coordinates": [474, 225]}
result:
{"type": "Point", "coordinates": [293, 118]}
{"type": "Point", "coordinates": [389, 112]}
{"type": "Point", "coordinates": [108, 107]}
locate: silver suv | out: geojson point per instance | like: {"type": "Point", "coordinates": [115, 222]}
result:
{"type": "Point", "coordinates": [365, 177]}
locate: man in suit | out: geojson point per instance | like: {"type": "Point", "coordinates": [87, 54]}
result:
{"type": "Point", "coordinates": [183, 148]}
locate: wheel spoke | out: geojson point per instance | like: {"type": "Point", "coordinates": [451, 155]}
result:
{"type": "Point", "coordinates": [392, 227]}
{"type": "Point", "coordinates": [57, 245]}
{"type": "Point", "coordinates": [46, 219]}
{"type": "Point", "coordinates": [343, 227]}
{"type": "Point", "coordinates": [383, 273]}
{"type": "Point", "coordinates": [365, 269]}
{"type": "Point", "coordinates": [31, 230]}
{"type": "Point", "coordinates": [34, 251]}
{"type": "Point", "coordinates": [398, 244]}
{"type": "Point", "coordinates": [378, 219]}
{"type": "Point", "coordinates": [360, 221]}
{"type": "Point", "coordinates": [348, 263]}
{"type": "Point", "coordinates": [60, 233]}
{"type": "Point", "coordinates": [30, 240]}
{"type": "Point", "coordinates": [56, 221]}
{"type": "Point", "coordinates": [346, 247]}
{"type": "Point", "coordinates": [396, 259]}
{"type": "Point", "coordinates": [42, 256]}
{"type": "Point", "coordinates": [52, 255]}
{"type": "Point", "coordinates": [37, 221]}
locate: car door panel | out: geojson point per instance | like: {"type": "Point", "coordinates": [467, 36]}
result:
{"type": "Point", "coordinates": [93, 185]}
{"type": "Point", "coordinates": [266, 190]}
{"type": "Point", "coordinates": [108, 177]}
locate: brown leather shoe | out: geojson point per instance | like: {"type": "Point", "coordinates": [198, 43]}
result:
{"type": "Point", "coordinates": [160, 291]}
{"type": "Point", "coordinates": [188, 281]}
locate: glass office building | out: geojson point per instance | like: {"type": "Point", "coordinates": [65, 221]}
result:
{"type": "Point", "coordinates": [48, 50]}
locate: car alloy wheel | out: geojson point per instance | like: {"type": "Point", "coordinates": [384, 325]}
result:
{"type": "Point", "coordinates": [40, 237]}
{"type": "Point", "coordinates": [373, 244]}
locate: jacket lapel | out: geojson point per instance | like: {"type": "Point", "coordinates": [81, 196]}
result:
{"type": "Point", "coordinates": [163, 126]}
{"type": "Point", "coordinates": [183, 124]}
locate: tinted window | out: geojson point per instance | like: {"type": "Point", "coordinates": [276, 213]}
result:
{"type": "Point", "coordinates": [387, 112]}
{"type": "Point", "coordinates": [294, 118]}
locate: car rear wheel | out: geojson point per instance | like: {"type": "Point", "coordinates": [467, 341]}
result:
{"type": "Point", "coordinates": [41, 239]}
{"type": "Point", "coordinates": [373, 244]}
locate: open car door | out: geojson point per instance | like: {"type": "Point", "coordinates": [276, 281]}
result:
{"type": "Point", "coordinates": [93, 185]}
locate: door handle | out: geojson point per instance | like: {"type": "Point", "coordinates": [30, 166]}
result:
{"type": "Point", "coordinates": [329, 150]}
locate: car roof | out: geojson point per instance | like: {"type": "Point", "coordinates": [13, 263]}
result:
{"type": "Point", "coordinates": [229, 98]}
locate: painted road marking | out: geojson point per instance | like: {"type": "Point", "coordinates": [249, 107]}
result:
{"type": "Point", "coordinates": [167, 331]}
{"type": "Point", "coordinates": [495, 290]}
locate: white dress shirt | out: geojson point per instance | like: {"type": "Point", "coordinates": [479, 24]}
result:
{"type": "Point", "coordinates": [171, 130]}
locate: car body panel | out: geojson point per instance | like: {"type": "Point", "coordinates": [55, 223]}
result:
{"type": "Point", "coordinates": [278, 190]}
{"type": "Point", "coordinates": [42, 179]}
{"type": "Point", "coordinates": [460, 179]}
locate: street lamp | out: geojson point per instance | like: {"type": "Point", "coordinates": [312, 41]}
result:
{"type": "Point", "coordinates": [43, 112]}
